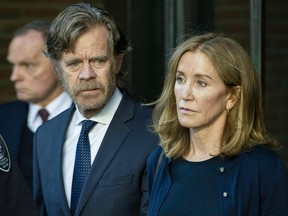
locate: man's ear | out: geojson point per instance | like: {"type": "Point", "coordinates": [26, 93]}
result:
{"type": "Point", "coordinates": [233, 97]}
{"type": "Point", "coordinates": [118, 62]}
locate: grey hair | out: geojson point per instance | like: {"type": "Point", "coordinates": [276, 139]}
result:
{"type": "Point", "coordinates": [76, 20]}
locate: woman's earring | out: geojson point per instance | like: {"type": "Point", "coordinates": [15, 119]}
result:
{"type": "Point", "coordinates": [227, 111]}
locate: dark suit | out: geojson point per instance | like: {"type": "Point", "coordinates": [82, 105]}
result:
{"type": "Point", "coordinates": [19, 139]}
{"type": "Point", "coordinates": [113, 187]}
{"type": "Point", "coordinates": [15, 196]}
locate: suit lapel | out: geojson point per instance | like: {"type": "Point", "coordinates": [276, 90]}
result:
{"type": "Point", "coordinates": [110, 145]}
{"type": "Point", "coordinates": [58, 142]}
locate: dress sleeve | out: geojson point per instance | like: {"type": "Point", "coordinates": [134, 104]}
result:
{"type": "Point", "coordinates": [275, 191]}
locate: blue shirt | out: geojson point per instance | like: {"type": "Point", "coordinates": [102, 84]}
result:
{"type": "Point", "coordinates": [252, 183]}
{"type": "Point", "coordinates": [192, 183]}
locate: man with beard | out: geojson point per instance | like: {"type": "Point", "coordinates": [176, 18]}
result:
{"type": "Point", "coordinates": [87, 50]}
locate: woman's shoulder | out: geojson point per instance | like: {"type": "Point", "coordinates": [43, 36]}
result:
{"type": "Point", "coordinates": [261, 152]}
{"type": "Point", "coordinates": [262, 156]}
{"type": "Point", "coordinates": [154, 155]}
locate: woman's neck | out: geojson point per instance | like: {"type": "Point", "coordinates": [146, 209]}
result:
{"type": "Point", "coordinates": [203, 146]}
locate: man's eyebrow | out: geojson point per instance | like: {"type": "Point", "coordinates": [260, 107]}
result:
{"type": "Point", "coordinates": [70, 60]}
{"type": "Point", "coordinates": [102, 57]}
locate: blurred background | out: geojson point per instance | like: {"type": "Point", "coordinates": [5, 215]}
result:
{"type": "Point", "coordinates": [155, 26]}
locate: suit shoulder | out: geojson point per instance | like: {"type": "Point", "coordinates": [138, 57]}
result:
{"type": "Point", "coordinates": [57, 120]}
{"type": "Point", "coordinates": [131, 108]}
{"type": "Point", "coordinates": [144, 109]}
{"type": "Point", "coordinates": [14, 105]}
{"type": "Point", "coordinates": [18, 108]}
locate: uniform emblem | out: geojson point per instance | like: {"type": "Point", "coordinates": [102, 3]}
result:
{"type": "Point", "coordinates": [5, 161]}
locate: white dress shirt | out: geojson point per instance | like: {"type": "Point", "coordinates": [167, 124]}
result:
{"type": "Point", "coordinates": [96, 135]}
{"type": "Point", "coordinates": [58, 105]}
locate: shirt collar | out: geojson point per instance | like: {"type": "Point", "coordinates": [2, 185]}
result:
{"type": "Point", "coordinates": [55, 107]}
{"type": "Point", "coordinates": [61, 103]}
{"type": "Point", "coordinates": [106, 114]}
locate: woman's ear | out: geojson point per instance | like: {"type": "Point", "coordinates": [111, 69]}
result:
{"type": "Point", "coordinates": [233, 97]}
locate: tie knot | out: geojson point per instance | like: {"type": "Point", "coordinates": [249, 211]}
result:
{"type": "Point", "coordinates": [87, 125]}
{"type": "Point", "coordinates": [43, 113]}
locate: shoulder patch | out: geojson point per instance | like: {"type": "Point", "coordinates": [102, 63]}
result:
{"type": "Point", "coordinates": [5, 161]}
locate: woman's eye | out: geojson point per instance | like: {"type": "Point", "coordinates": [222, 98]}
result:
{"type": "Point", "coordinates": [179, 79]}
{"type": "Point", "coordinates": [202, 83]}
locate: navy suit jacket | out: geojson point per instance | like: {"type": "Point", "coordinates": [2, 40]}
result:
{"type": "Point", "coordinates": [19, 139]}
{"type": "Point", "coordinates": [113, 186]}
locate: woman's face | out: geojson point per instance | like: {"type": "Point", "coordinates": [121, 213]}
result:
{"type": "Point", "coordinates": [200, 93]}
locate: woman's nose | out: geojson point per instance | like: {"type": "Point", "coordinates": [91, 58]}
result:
{"type": "Point", "coordinates": [187, 92]}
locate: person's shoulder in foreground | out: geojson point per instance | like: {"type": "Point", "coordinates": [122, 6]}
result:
{"type": "Point", "coordinates": [15, 195]}
{"type": "Point", "coordinates": [16, 107]}
{"type": "Point", "coordinates": [19, 109]}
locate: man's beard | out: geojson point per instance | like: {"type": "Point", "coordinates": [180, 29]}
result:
{"type": "Point", "coordinates": [96, 102]}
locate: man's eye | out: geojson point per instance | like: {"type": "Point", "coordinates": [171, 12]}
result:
{"type": "Point", "coordinates": [73, 64]}
{"type": "Point", "coordinates": [100, 61]}
{"type": "Point", "coordinates": [27, 66]}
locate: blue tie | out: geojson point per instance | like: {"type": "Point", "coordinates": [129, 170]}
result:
{"type": "Point", "coordinates": [82, 163]}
